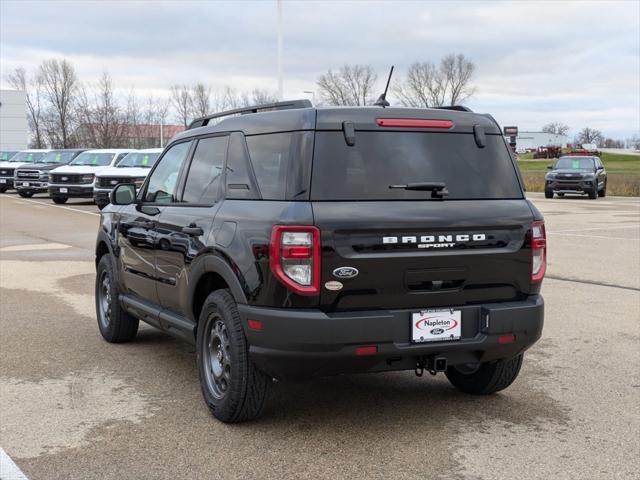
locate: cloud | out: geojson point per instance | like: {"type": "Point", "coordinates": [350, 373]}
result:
{"type": "Point", "coordinates": [577, 62]}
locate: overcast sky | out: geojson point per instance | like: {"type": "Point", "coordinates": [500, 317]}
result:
{"type": "Point", "coordinates": [574, 62]}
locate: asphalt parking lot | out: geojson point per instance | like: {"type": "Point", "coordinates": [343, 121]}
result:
{"type": "Point", "coordinates": [73, 406]}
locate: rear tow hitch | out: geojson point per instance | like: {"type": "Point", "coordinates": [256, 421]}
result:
{"type": "Point", "coordinates": [432, 364]}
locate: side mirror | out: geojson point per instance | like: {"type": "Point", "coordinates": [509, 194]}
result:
{"type": "Point", "coordinates": [123, 194]}
{"type": "Point", "coordinates": [549, 167]}
{"type": "Point", "coordinates": [599, 167]}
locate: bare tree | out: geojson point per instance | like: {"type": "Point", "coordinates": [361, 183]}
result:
{"type": "Point", "coordinates": [423, 87]}
{"type": "Point", "coordinates": [201, 100]}
{"type": "Point", "coordinates": [634, 142]}
{"type": "Point", "coordinates": [457, 72]}
{"type": "Point", "coordinates": [428, 85]}
{"type": "Point", "coordinates": [260, 97]}
{"type": "Point", "coordinates": [102, 119]}
{"type": "Point", "coordinates": [155, 116]}
{"type": "Point", "coordinates": [60, 86]}
{"type": "Point", "coordinates": [351, 85]}
{"type": "Point", "coordinates": [556, 128]}
{"type": "Point", "coordinates": [589, 135]}
{"type": "Point", "coordinates": [33, 89]}
{"type": "Point", "coordinates": [182, 104]}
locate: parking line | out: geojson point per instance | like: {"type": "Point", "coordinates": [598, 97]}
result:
{"type": "Point", "coordinates": [8, 469]}
{"type": "Point", "coordinates": [592, 236]}
{"type": "Point", "coordinates": [53, 206]}
{"type": "Point", "coordinates": [598, 228]}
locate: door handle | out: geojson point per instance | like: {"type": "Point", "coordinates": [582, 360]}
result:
{"type": "Point", "coordinates": [193, 230]}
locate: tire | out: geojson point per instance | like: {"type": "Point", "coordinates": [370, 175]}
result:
{"type": "Point", "coordinates": [59, 200]}
{"type": "Point", "coordinates": [3, 189]}
{"type": "Point", "coordinates": [24, 194]}
{"type": "Point", "coordinates": [593, 193]}
{"type": "Point", "coordinates": [489, 378]}
{"type": "Point", "coordinates": [116, 325]}
{"type": "Point", "coordinates": [603, 193]}
{"type": "Point", "coordinates": [548, 194]}
{"type": "Point", "coordinates": [232, 387]}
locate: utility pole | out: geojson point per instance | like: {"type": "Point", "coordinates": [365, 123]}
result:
{"type": "Point", "coordinates": [280, 81]}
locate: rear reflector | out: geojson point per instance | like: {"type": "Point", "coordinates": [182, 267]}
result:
{"type": "Point", "coordinates": [366, 350]}
{"type": "Point", "coordinates": [255, 324]}
{"type": "Point", "coordinates": [504, 339]}
{"type": "Point", "coordinates": [413, 123]}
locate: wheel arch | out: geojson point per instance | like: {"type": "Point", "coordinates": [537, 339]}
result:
{"type": "Point", "coordinates": [214, 273]}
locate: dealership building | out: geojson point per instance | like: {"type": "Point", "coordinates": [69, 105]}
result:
{"type": "Point", "coordinates": [14, 132]}
{"type": "Point", "coordinates": [527, 140]}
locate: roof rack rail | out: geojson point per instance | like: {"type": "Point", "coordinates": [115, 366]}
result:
{"type": "Point", "coordinates": [287, 105]}
{"type": "Point", "coordinates": [458, 108]}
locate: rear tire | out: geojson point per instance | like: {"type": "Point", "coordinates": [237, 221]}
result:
{"type": "Point", "coordinates": [116, 325]}
{"type": "Point", "coordinates": [232, 387]}
{"type": "Point", "coordinates": [488, 378]}
{"type": "Point", "coordinates": [24, 194]}
{"type": "Point", "coordinates": [59, 200]}
{"type": "Point", "coordinates": [548, 194]}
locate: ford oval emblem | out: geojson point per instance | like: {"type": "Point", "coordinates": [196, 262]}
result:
{"type": "Point", "coordinates": [345, 272]}
{"type": "Point", "coordinates": [436, 331]}
{"type": "Point", "coordinates": [64, 179]}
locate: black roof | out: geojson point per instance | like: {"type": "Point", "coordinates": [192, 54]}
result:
{"type": "Point", "coordinates": [332, 118]}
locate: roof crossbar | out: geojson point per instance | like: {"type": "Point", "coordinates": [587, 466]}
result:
{"type": "Point", "coordinates": [458, 108]}
{"type": "Point", "coordinates": [287, 105]}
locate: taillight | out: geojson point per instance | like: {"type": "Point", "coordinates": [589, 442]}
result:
{"type": "Point", "coordinates": [538, 251]}
{"type": "Point", "coordinates": [294, 257]}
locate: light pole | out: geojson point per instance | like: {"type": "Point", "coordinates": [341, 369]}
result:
{"type": "Point", "coordinates": [280, 81]}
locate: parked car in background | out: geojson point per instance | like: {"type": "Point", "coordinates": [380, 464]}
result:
{"type": "Point", "coordinates": [75, 180]}
{"type": "Point", "coordinates": [8, 167]}
{"type": "Point", "coordinates": [132, 169]}
{"type": "Point", "coordinates": [33, 178]}
{"type": "Point", "coordinates": [576, 174]}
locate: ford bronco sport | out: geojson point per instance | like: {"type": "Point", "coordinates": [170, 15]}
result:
{"type": "Point", "coordinates": [289, 242]}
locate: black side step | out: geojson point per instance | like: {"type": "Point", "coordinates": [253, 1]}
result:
{"type": "Point", "coordinates": [169, 322]}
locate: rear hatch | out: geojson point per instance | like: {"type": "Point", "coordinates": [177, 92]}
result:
{"type": "Point", "coordinates": [392, 247]}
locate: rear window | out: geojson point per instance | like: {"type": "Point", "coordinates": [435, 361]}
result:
{"type": "Point", "coordinates": [377, 160]}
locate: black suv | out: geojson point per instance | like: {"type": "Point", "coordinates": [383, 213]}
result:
{"type": "Point", "coordinates": [576, 174]}
{"type": "Point", "coordinates": [289, 242]}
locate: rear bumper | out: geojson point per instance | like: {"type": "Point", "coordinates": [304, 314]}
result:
{"type": "Point", "coordinates": [306, 343]}
{"type": "Point", "coordinates": [75, 191]}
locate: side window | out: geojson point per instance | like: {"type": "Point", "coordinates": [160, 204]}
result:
{"type": "Point", "coordinates": [164, 179]}
{"type": "Point", "coordinates": [239, 175]}
{"type": "Point", "coordinates": [205, 172]}
{"type": "Point", "coordinates": [270, 158]}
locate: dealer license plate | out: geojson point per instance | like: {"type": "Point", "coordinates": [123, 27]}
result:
{"type": "Point", "coordinates": [25, 184]}
{"type": "Point", "coordinates": [436, 325]}
{"type": "Point", "coordinates": [63, 190]}
{"type": "Point", "coordinates": [2, 180]}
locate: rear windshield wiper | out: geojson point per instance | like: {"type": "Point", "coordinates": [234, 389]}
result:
{"type": "Point", "coordinates": [437, 189]}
